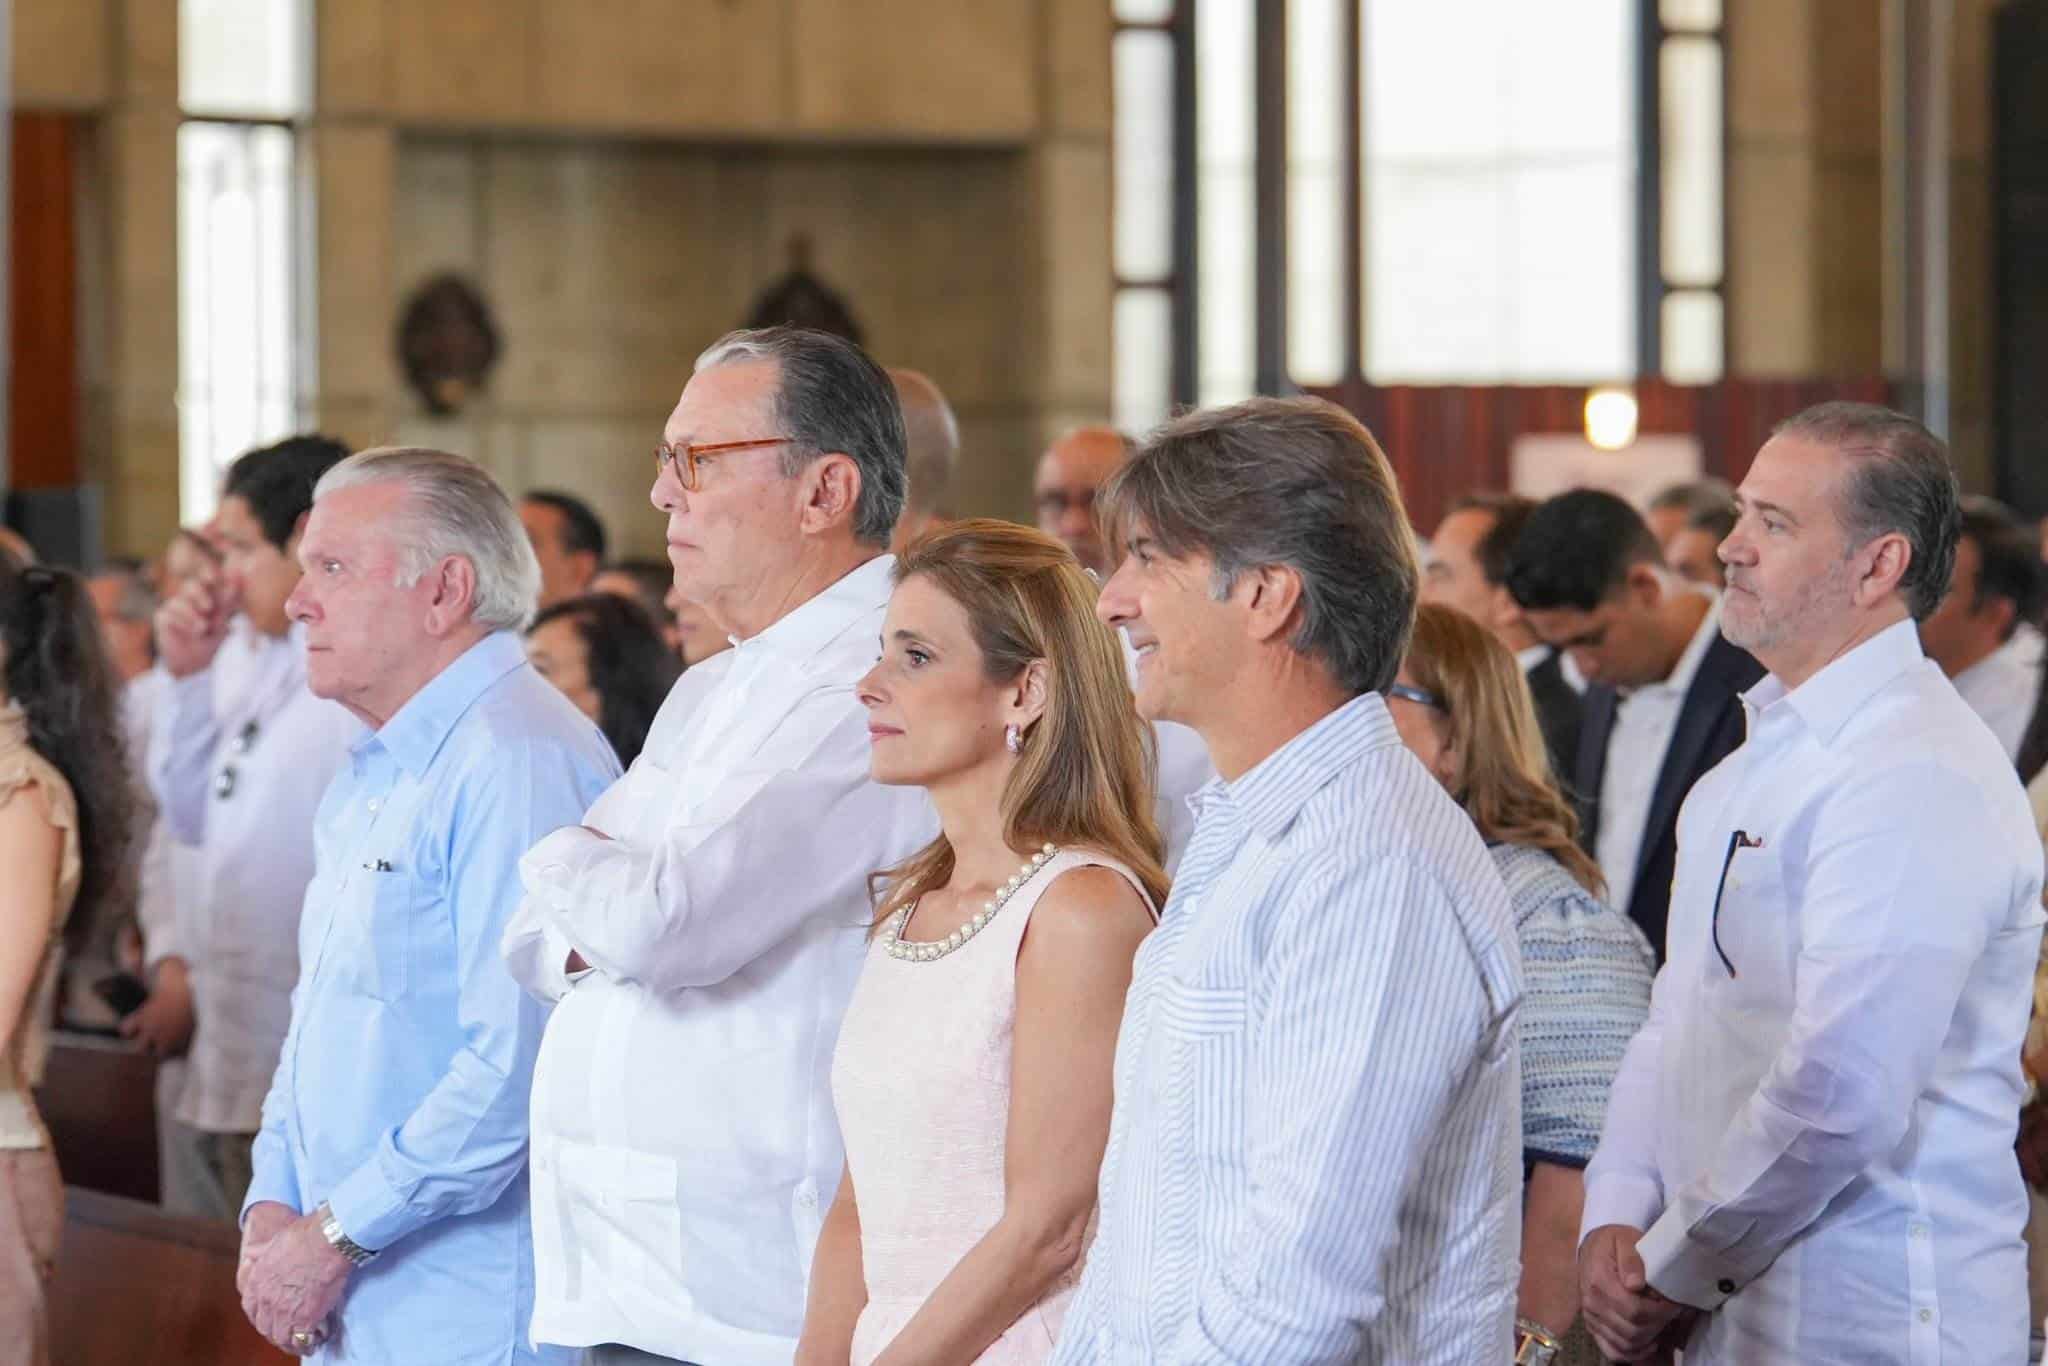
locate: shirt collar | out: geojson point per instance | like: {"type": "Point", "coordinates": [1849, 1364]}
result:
{"type": "Point", "coordinates": [801, 633]}
{"type": "Point", "coordinates": [1531, 656]}
{"type": "Point", "coordinates": [1682, 673]}
{"type": "Point", "coordinates": [415, 735]}
{"type": "Point", "coordinates": [1826, 701]}
{"type": "Point", "coordinates": [1273, 792]}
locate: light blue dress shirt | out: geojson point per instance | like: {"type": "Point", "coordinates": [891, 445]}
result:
{"type": "Point", "coordinates": [401, 1095]}
{"type": "Point", "coordinates": [1315, 1155]}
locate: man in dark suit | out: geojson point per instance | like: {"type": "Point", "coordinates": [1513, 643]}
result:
{"type": "Point", "coordinates": [1467, 569]}
{"type": "Point", "coordinates": [1664, 702]}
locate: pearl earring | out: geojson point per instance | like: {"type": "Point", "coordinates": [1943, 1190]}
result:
{"type": "Point", "coordinates": [1013, 739]}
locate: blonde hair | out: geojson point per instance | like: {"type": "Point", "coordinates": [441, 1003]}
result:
{"type": "Point", "coordinates": [1503, 777]}
{"type": "Point", "coordinates": [1085, 775]}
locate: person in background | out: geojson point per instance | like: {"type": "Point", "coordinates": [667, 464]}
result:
{"type": "Point", "coordinates": [1070, 473]}
{"type": "Point", "coordinates": [1985, 635]}
{"type": "Point", "coordinates": [700, 929]}
{"type": "Point", "coordinates": [237, 766]}
{"type": "Point", "coordinates": [607, 657]}
{"type": "Point", "coordinates": [1664, 703]}
{"type": "Point", "coordinates": [646, 582]}
{"type": "Point", "coordinates": [1466, 568]}
{"type": "Point", "coordinates": [1692, 552]}
{"type": "Point", "coordinates": [64, 813]}
{"type": "Point", "coordinates": [698, 637]}
{"type": "Point", "coordinates": [126, 602]}
{"type": "Point", "coordinates": [970, 1179]}
{"type": "Point", "coordinates": [932, 437]}
{"type": "Point", "coordinates": [387, 1218]}
{"type": "Point", "coordinates": [1674, 507]}
{"type": "Point", "coordinates": [568, 539]}
{"type": "Point", "coordinates": [15, 544]}
{"type": "Point", "coordinates": [1461, 705]}
{"type": "Point", "coordinates": [1314, 1154]}
{"type": "Point", "coordinates": [1808, 1154]}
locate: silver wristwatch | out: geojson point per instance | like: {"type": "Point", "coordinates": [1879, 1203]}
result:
{"type": "Point", "coordinates": [1534, 1346]}
{"type": "Point", "coordinates": [330, 1229]}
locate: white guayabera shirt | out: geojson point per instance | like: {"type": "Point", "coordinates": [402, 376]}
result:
{"type": "Point", "coordinates": [1816, 1124]}
{"type": "Point", "coordinates": [684, 1145]}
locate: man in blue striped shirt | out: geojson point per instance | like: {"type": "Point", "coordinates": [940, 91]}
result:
{"type": "Point", "coordinates": [1316, 1148]}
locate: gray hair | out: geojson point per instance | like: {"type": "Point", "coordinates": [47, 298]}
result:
{"type": "Point", "coordinates": [138, 598]}
{"type": "Point", "coordinates": [453, 508]}
{"type": "Point", "coordinates": [1285, 481]}
{"type": "Point", "coordinates": [1899, 480]}
{"type": "Point", "coordinates": [831, 398]}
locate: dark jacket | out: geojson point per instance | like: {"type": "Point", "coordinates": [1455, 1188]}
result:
{"type": "Point", "coordinates": [1558, 712]}
{"type": "Point", "coordinates": [1710, 727]}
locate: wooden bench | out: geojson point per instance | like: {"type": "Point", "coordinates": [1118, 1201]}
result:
{"type": "Point", "coordinates": [98, 1098]}
{"type": "Point", "coordinates": [135, 1284]}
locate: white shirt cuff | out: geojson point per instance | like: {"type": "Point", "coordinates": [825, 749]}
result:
{"type": "Point", "coordinates": [1680, 1269]}
{"type": "Point", "coordinates": [1634, 1202]}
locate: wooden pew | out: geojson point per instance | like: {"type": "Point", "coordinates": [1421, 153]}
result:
{"type": "Point", "coordinates": [135, 1284]}
{"type": "Point", "coordinates": [98, 1098]}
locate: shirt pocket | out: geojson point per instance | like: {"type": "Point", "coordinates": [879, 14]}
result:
{"type": "Point", "coordinates": [1750, 945]}
{"type": "Point", "coordinates": [1204, 1044]}
{"type": "Point", "coordinates": [381, 961]}
{"type": "Point", "coordinates": [616, 1216]}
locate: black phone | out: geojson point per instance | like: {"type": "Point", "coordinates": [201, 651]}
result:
{"type": "Point", "coordinates": [124, 992]}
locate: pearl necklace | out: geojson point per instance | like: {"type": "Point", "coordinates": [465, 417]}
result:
{"type": "Point", "coordinates": [898, 947]}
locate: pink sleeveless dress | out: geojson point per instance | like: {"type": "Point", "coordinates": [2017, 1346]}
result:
{"type": "Point", "coordinates": [921, 1081]}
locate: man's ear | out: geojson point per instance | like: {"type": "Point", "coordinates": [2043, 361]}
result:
{"type": "Point", "coordinates": [1884, 561]}
{"type": "Point", "coordinates": [831, 492]}
{"type": "Point", "coordinates": [454, 599]}
{"type": "Point", "coordinates": [1271, 594]}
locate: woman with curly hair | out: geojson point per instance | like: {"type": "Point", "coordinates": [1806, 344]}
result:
{"type": "Point", "coordinates": [65, 800]}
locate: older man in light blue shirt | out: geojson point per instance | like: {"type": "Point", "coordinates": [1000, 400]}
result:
{"type": "Point", "coordinates": [388, 1216]}
{"type": "Point", "coordinates": [1315, 1154]}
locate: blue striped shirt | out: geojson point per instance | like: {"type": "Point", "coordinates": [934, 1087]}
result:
{"type": "Point", "coordinates": [1316, 1149]}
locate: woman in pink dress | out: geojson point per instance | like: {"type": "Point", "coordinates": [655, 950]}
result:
{"type": "Point", "coordinates": [972, 1078]}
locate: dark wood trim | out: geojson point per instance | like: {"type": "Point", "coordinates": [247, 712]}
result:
{"type": "Point", "coordinates": [1186, 211]}
{"type": "Point", "coordinates": [1649, 191]}
{"type": "Point", "coordinates": [43, 409]}
{"type": "Point", "coordinates": [1354, 200]}
{"type": "Point", "coordinates": [1269, 179]}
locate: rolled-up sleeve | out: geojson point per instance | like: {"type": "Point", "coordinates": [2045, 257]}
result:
{"type": "Point", "coordinates": [458, 1149]}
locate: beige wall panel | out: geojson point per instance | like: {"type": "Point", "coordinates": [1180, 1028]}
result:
{"type": "Point", "coordinates": [930, 248]}
{"type": "Point", "coordinates": [355, 166]}
{"type": "Point", "coordinates": [1078, 66]}
{"type": "Point", "coordinates": [148, 46]}
{"type": "Point", "coordinates": [1973, 301]}
{"type": "Point", "coordinates": [1072, 184]}
{"type": "Point", "coordinates": [354, 57]}
{"type": "Point", "coordinates": [1770, 48]}
{"type": "Point", "coordinates": [1970, 115]}
{"type": "Point", "coordinates": [934, 68]}
{"type": "Point", "coordinates": [142, 509]}
{"type": "Point", "coordinates": [142, 159]}
{"type": "Point", "coordinates": [1848, 253]}
{"type": "Point", "coordinates": [359, 421]}
{"type": "Point", "coordinates": [1771, 220]}
{"type": "Point", "coordinates": [60, 54]}
{"type": "Point", "coordinates": [610, 268]}
{"type": "Point", "coordinates": [672, 65]}
{"type": "Point", "coordinates": [439, 208]}
{"type": "Point", "coordinates": [1848, 77]}
{"type": "Point", "coordinates": [463, 60]}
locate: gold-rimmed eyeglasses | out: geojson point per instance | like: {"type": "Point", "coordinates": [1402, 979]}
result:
{"type": "Point", "coordinates": [687, 457]}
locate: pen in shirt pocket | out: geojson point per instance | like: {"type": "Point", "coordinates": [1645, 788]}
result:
{"type": "Point", "coordinates": [377, 866]}
{"type": "Point", "coordinates": [1739, 840]}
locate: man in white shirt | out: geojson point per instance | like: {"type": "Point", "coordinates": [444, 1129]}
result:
{"type": "Point", "coordinates": [238, 767]}
{"type": "Point", "coordinates": [1983, 635]}
{"type": "Point", "coordinates": [703, 928]}
{"type": "Point", "coordinates": [1466, 568]}
{"type": "Point", "coordinates": [1662, 708]}
{"type": "Point", "coordinates": [1809, 1147]}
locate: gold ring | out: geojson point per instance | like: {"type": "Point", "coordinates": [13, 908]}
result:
{"type": "Point", "coordinates": [301, 1339]}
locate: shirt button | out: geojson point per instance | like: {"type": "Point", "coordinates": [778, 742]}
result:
{"type": "Point", "coordinates": [1727, 1287]}
{"type": "Point", "coordinates": [807, 1198]}
{"type": "Point", "coordinates": [1917, 1230]}
{"type": "Point", "coordinates": [373, 804]}
{"type": "Point", "coordinates": [1926, 1316]}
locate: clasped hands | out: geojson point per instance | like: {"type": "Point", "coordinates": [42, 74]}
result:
{"type": "Point", "coordinates": [1626, 1316]}
{"type": "Point", "coordinates": [290, 1277]}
